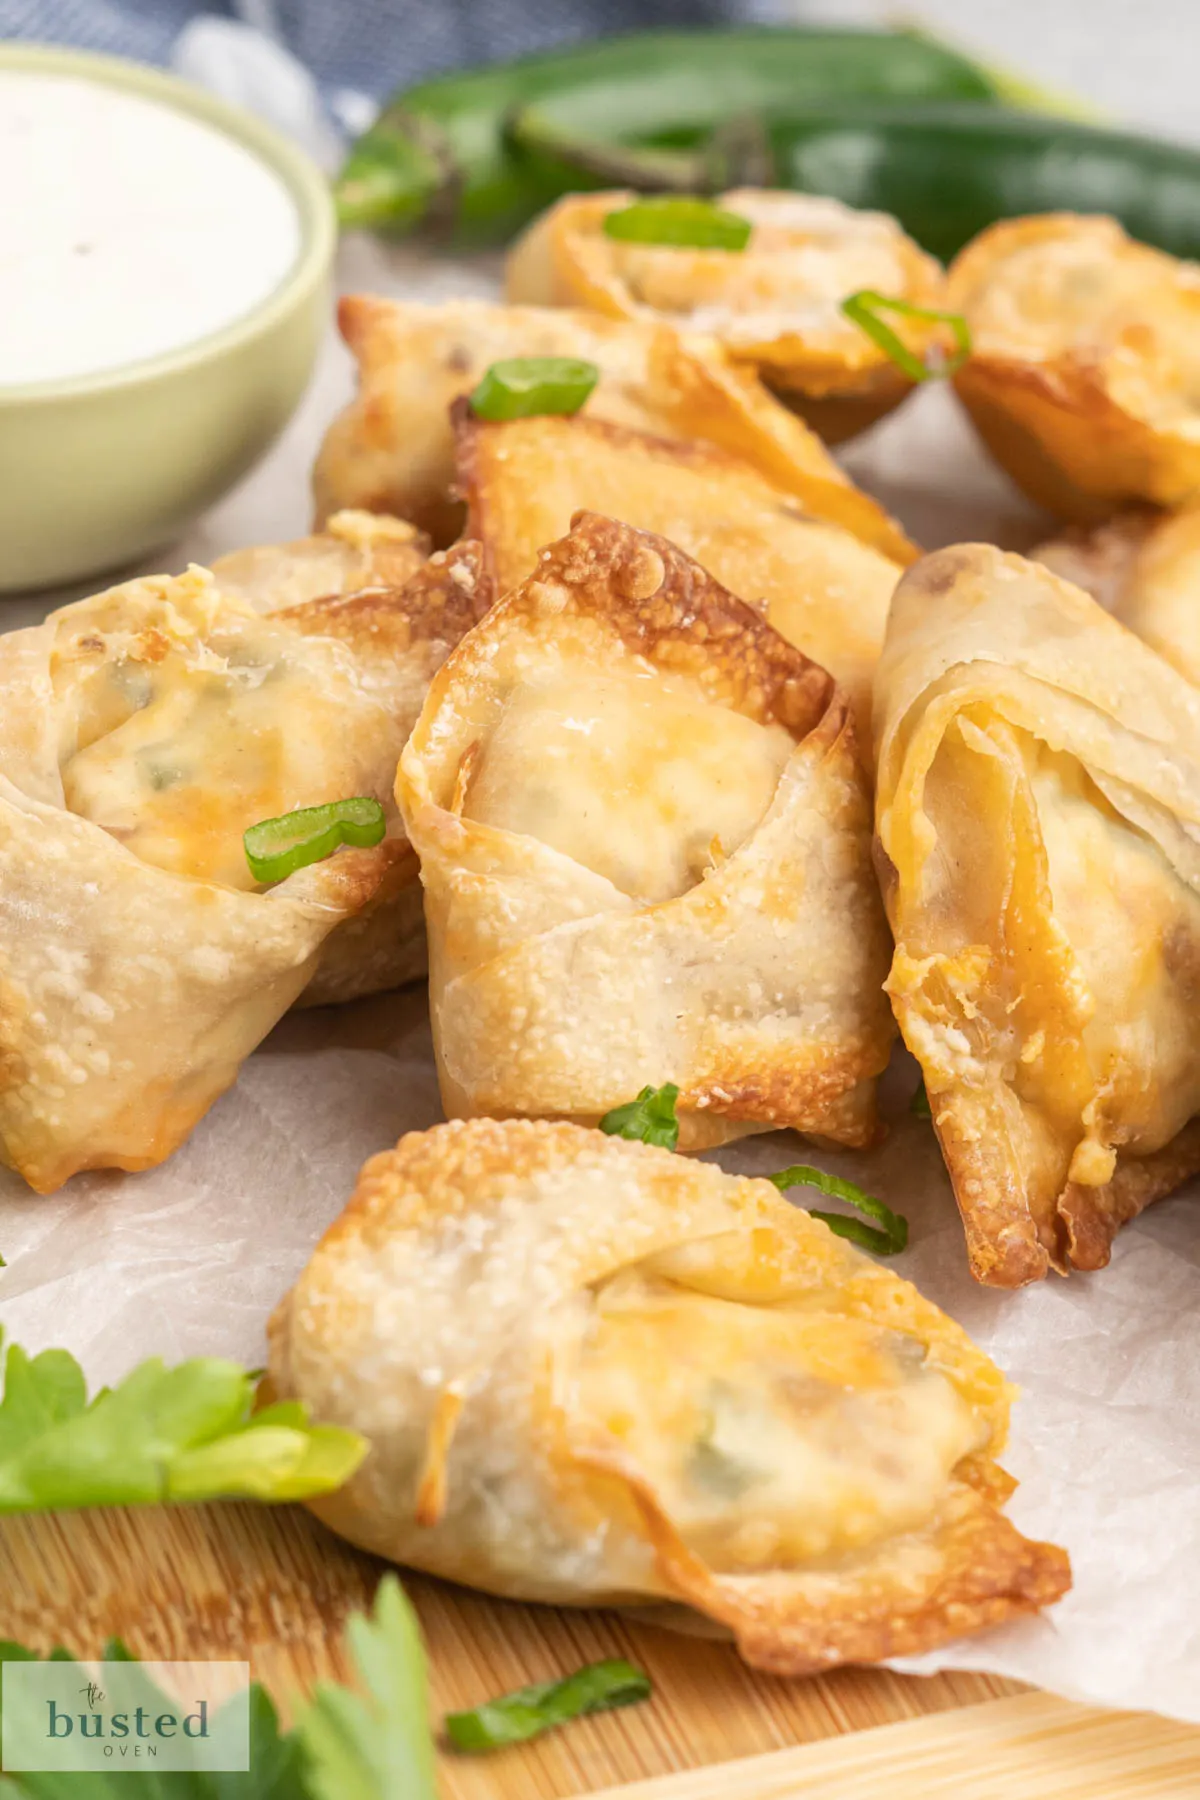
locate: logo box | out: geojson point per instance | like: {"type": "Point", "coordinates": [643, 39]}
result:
{"type": "Point", "coordinates": [125, 1716]}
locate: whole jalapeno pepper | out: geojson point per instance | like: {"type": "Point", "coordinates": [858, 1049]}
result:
{"type": "Point", "coordinates": [442, 151]}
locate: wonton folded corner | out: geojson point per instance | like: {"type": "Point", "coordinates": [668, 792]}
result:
{"type": "Point", "coordinates": [392, 448]}
{"type": "Point", "coordinates": [644, 837]}
{"type": "Point", "coordinates": [1038, 818]}
{"type": "Point", "coordinates": [713, 1406]}
{"type": "Point", "coordinates": [142, 732]}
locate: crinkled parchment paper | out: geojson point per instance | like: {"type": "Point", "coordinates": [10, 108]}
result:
{"type": "Point", "coordinates": [191, 1257]}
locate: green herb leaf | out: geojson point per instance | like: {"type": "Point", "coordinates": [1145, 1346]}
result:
{"type": "Point", "coordinates": [650, 1118]}
{"type": "Point", "coordinates": [162, 1434]}
{"type": "Point", "coordinates": [276, 848]}
{"type": "Point", "coordinates": [376, 1745]}
{"type": "Point", "coordinates": [526, 1714]}
{"type": "Point", "coordinates": [889, 1242]}
{"type": "Point", "coordinates": [919, 1105]}
{"type": "Point", "coordinates": [864, 308]}
{"type": "Point", "coordinates": [680, 221]}
{"type": "Point", "coordinates": [523, 386]}
{"type": "Point", "coordinates": [343, 1747]}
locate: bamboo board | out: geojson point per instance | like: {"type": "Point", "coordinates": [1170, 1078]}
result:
{"type": "Point", "coordinates": [270, 1586]}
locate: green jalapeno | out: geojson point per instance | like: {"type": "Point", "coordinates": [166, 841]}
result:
{"type": "Point", "coordinates": [276, 848]}
{"type": "Point", "coordinates": [680, 221]}
{"type": "Point", "coordinates": [523, 386]}
{"type": "Point", "coordinates": [443, 152]}
{"type": "Point", "coordinates": [886, 1242]}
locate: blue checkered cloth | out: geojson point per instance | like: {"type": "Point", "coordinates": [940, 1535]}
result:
{"type": "Point", "coordinates": [368, 45]}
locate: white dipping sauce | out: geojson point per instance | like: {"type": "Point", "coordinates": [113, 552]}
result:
{"type": "Point", "coordinates": [126, 228]}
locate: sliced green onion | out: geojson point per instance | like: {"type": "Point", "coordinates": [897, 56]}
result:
{"type": "Point", "coordinates": [919, 1105]}
{"type": "Point", "coordinates": [863, 310]}
{"type": "Point", "coordinates": [276, 848]}
{"type": "Point", "coordinates": [526, 1714]}
{"type": "Point", "coordinates": [888, 1242]}
{"type": "Point", "coordinates": [685, 223]}
{"type": "Point", "coordinates": [650, 1118]}
{"type": "Point", "coordinates": [523, 386]}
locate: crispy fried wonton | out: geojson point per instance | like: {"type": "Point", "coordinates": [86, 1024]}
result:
{"type": "Point", "coordinates": [775, 306]}
{"type": "Point", "coordinates": [1038, 813]}
{"type": "Point", "coordinates": [353, 551]}
{"type": "Point", "coordinates": [141, 733]}
{"type": "Point", "coordinates": [668, 1386]}
{"type": "Point", "coordinates": [392, 450]}
{"type": "Point", "coordinates": [1085, 373]}
{"type": "Point", "coordinates": [1144, 567]}
{"type": "Point", "coordinates": [828, 594]}
{"type": "Point", "coordinates": [644, 839]}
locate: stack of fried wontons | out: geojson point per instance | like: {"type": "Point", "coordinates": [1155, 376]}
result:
{"type": "Point", "coordinates": [694, 778]}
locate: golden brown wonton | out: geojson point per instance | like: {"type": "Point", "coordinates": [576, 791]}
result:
{"type": "Point", "coordinates": [1144, 567]}
{"type": "Point", "coordinates": [353, 551]}
{"type": "Point", "coordinates": [1085, 372]}
{"type": "Point", "coordinates": [670, 1386]}
{"type": "Point", "coordinates": [775, 306]}
{"type": "Point", "coordinates": [141, 732]}
{"type": "Point", "coordinates": [392, 448]}
{"type": "Point", "coordinates": [1038, 815]}
{"type": "Point", "coordinates": [828, 594]}
{"type": "Point", "coordinates": [645, 844]}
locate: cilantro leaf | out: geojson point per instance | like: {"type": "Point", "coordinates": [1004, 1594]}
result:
{"type": "Point", "coordinates": [186, 1433]}
{"type": "Point", "coordinates": [377, 1745]}
{"type": "Point", "coordinates": [344, 1746]}
{"type": "Point", "coordinates": [651, 1117]}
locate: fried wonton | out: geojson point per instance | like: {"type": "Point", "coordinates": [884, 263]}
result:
{"type": "Point", "coordinates": [392, 449]}
{"type": "Point", "coordinates": [1084, 379]}
{"type": "Point", "coordinates": [775, 306]}
{"type": "Point", "coordinates": [1038, 813]}
{"type": "Point", "coordinates": [1144, 567]}
{"type": "Point", "coordinates": [645, 844]}
{"type": "Point", "coordinates": [141, 732]}
{"type": "Point", "coordinates": [352, 552]}
{"type": "Point", "coordinates": [666, 1386]}
{"type": "Point", "coordinates": [828, 594]}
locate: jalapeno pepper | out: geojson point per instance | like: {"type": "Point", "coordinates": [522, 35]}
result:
{"type": "Point", "coordinates": [946, 171]}
{"type": "Point", "coordinates": [442, 150]}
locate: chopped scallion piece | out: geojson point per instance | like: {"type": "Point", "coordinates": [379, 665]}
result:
{"type": "Point", "coordinates": [650, 1118]}
{"type": "Point", "coordinates": [524, 386]}
{"type": "Point", "coordinates": [679, 221]}
{"type": "Point", "coordinates": [864, 308]}
{"type": "Point", "coordinates": [276, 848]}
{"type": "Point", "coordinates": [889, 1242]}
{"type": "Point", "coordinates": [526, 1714]}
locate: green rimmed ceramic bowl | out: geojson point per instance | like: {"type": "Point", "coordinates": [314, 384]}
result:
{"type": "Point", "coordinates": [98, 470]}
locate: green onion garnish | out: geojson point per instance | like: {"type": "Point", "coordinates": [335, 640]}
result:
{"type": "Point", "coordinates": [888, 1242]}
{"type": "Point", "coordinates": [863, 310]}
{"type": "Point", "coordinates": [523, 386]}
{"type": "Point", "coordinates": [276, 848]}
{"type": "Point", "coordinates": [531, 1710]}
{"type": "Point", "coordinates": [682, 222]}
{"type": "Point", "coordinates": [650, 1118]}
{"type": "Point", "coordinates": [919, 1105]}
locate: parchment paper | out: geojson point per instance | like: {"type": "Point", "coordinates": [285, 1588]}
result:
{"type": "Point", "coordinates": [190, 1258]}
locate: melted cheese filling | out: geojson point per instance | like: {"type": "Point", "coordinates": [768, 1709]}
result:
{"type": "Point", "coordinates": [773, 1437]}
{"type": "Point", "coordinates": [631, 775]}
{"type": "Point", "coordinates": [804, 257]}
{"type": "Point", "coordinates": [176, 757]}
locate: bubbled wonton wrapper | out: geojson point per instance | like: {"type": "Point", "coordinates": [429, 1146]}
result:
{"type": "Point", "coordinates": [1038, 812]}
{"type": "Point", "coordinates": [644, 839]}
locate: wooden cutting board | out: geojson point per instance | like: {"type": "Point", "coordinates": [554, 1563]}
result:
{"type": "Point", "coordinates": [269, 1585]}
